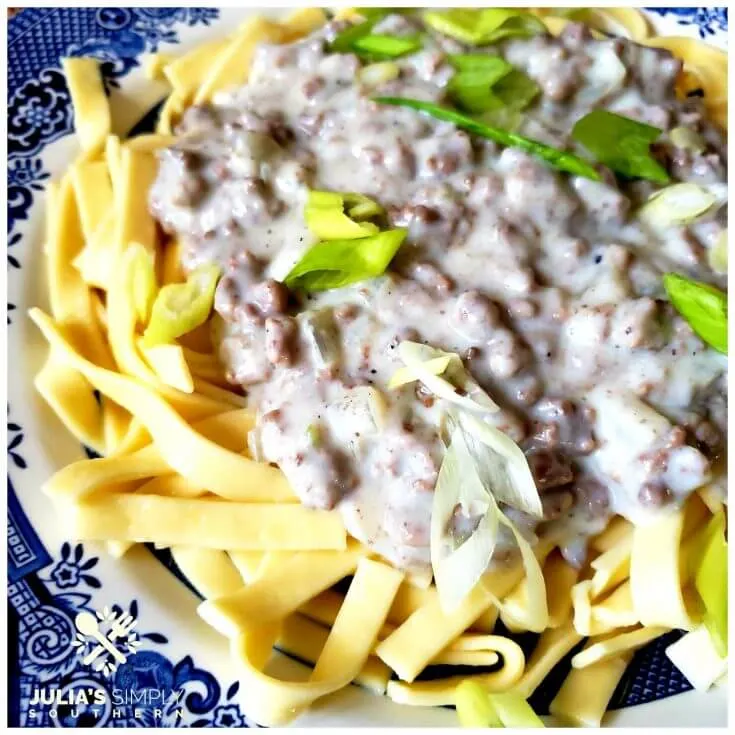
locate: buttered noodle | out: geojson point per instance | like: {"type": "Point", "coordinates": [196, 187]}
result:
{"type": "Point", "coordinates": [176, 469]}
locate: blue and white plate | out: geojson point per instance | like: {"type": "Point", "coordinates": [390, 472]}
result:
{"type": "Point", "coordinates": [178, 671]}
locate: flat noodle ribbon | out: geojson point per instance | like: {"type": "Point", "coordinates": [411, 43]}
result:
{"type": "Point", "coordinates": [71, 398]}
{"type": "Point", "coordinates": [266, 565]}
{"type": "Point", "coordinates": [138, 169]}
{"type": "Point", "coordinates": [611, 20]}
{"type": "Point", "coordinates": [201, 461]}
{"type": "Point", "coordinates": [469, 649]}
{"type": "Point", "coordinates": [705, 66]}
{"type": "Point", "coordinates": [559, 577]}
{"type": "Point", "coordinates": [279, 590]}
{"type": "Point", "coordinates": [305, 639]}
{"type": "Point", "coordinates": [429, 630]}
{"type": "Point", "coordinates": [121, 319]}
{"type": "Point", "coordinates": [135, 438]}
{"type": "Point", "coordinates": [93, 192]}
{"type": "Point", "coordinates": [231, 67]}
{"type": "Point", "coordinates": [69, 296]}
{"type": "Point", "coordinates": [174, 486]}
{"type": "Point", "coordinates": [209, 570]}
{"type": "Point", "coordinates": [611, 568]}
{"type": "Point", "coordinates": [151, 142]}
{"type": "Point", "coordinates": [186, 73]}
{"type": "Point", "coordinates": [170, 366]}
{"type": "Point", "coordinates": [597, 651]}
{"type": "Point", "coordinates": [616, 610]}
{"type": "Point", "coordinates": [440, 692]}
{"type": "Point", "coordinates": [91, 111]}
{"type": "Point", "coordinates": [583, 697]}
{"type": "Point", "coordinates": [172, 110]}
{"type": "Point", "coordinates": [552, 646]}
{"type": "Point", "coordinates": [116, 423]}
{"type": "Point", "coordinates": [655, 574]}
{"type": "Point", "coordinates": [272, 701]}
{"type": "Point", "coordinates": [617, 531]}
{"type": "Point", "coordinates": [83, 478]}
{"type": "Point", "coordinates": [248, 563]}
{"type": "Point", "coordinates": [206, 522]}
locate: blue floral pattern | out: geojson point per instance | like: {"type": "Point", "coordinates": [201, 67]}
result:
{"type": "Point", "coordinates": [39, 106]}
{"type": "Point", "coordinates": [47, 660]}
{"type": "Point", "coordinates": [45, 597]}
{"type": "Point", "coordinates": [25, 176]}
{"type": "Point", "coordinates": [46, 594]}
{"type": "Point", "coordinates": [72, 569]}
{"type": "Point", "coordinates": [15, 439]}
{"type": "Point", "coordinates": [13, 240]}
{"type": "Point", "coordinates": [707, 20]}
{"type": "Point", "coordinates": [39, 112]}
{"type": "Point", "coordinates": [228, 715]}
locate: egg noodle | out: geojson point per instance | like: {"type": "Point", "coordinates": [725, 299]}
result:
{"type": "Point", "coordinates": [175, 469]}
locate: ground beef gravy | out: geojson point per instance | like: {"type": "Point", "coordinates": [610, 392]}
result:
{"type": "Point", "coordinates": [545, 283]}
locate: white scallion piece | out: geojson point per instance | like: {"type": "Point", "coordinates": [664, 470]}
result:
{"type": "Point", "coordinates": [458, 388]}
{"type": "Point", "coordinates": [679, 204]}
{"type": "Point", "coordinates": [502, 465]}
{"type": "Point", "coordinates": [464, 525]}
{"type": "Point", "coordinates": [687, 139]}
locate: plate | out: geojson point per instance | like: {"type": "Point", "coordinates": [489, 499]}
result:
{"type": "Point", "coordinates": [180, 671]}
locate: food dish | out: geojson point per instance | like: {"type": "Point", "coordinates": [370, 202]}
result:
{"type": "Point", "coordinates": [173, 441]}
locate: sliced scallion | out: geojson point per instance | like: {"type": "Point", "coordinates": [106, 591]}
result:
{"type": "Point", "coordinates": [561, 160]}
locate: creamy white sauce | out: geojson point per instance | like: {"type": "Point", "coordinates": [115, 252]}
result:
{"type": "Point", "coordinates": [545, 282]}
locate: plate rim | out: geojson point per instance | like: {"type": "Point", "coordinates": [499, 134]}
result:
{"type": "Point", "coordinates": [182, 27]}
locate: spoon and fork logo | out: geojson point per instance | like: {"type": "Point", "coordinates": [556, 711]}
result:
{"type": "Point", "coordinates": [113, 634]}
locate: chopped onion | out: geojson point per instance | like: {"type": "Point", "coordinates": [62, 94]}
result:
{"type": "Point", "coordinates": [460, 388]}
{"type": "Point", "coordinates": [360, 207]}
{"type": "Point", "coordinates": [321, 334]}
{"type": "Point", "coordinates": [315, 435]}
{"type": "Point", "coordinates": [687, 139]}
{"type": "Point", "coordinates": [717, 255]}
{"type": "Point", "coordinates": [374, 75]}
{"type": "Point", "coordinates": [604, 75]}
{"type": "Point", "coordinates": [696, 657]}
{"type": "Point", "coordinates": [376, 403]}
{"type": "Point", "coordinates": [622, 419]}
{"type": "Point", "coordinates": [331, 264]}
{"type": "Point", "coordinates": [333, 216]}
{"type": "Point", "coordinates": [286, 258]}
{"type": "Point", "coordinates": [679, 204]}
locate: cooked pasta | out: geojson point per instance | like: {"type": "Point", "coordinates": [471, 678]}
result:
{"type": "Point", "coordinates": [177, 470]}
